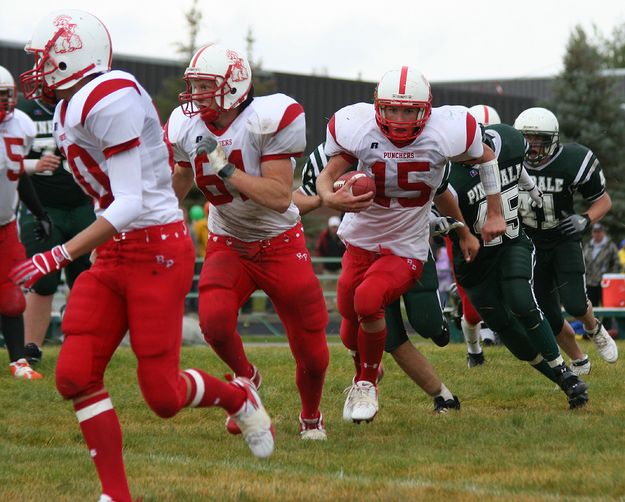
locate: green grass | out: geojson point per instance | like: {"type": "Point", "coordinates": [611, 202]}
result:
{"type": "Point", "coordinates": [514, 438]}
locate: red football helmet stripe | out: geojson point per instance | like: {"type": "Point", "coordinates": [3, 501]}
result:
{"type": "Point", "coordinates": [486, 114]}
{"type": "Point", "coordinates": [402, 80]}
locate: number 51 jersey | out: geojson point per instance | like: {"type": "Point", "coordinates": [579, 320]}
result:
{"type": "Point", "coordinates": [269, 128]}
{"type": "Point", "coordinates": [406, 177]}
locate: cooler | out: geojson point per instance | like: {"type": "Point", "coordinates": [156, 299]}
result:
{"type": "Point", "coordinates": [613, 288]}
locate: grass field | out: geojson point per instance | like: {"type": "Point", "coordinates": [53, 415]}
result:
{"type": "Point", "coordinates": [514, 438]}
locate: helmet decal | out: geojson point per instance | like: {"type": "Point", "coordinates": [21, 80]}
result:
{"type": "Point", "coordinates": [68, 40]}
{"type": "Point", "coordinates": [239, 71]}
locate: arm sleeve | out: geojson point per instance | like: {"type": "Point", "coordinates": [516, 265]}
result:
{"type": "Point", "coordinates": [29, 197]}
{"type": "Point", "coordinates": [525, 180]}
{"type": "Point", "coordinates": [124, 170]}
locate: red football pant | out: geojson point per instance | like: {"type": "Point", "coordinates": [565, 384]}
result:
{"type": "Point", "coordinates": [368, 283]}
{"type": "Point", "coordinates": [12, 301]}
{"type": "Point", "coordinates": [469, 312]}
{"type": "Point", "coordinates": [281, 267]}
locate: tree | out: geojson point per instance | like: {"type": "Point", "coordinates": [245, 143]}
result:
{"type": "Point", "coordinates": [263, 81]}
{"type": "Point", "coordinates": [613, 49]}
{"type": "Point", "coordinates": [589, 112]}
{"type": "Point", "coordinates": [167, 99]}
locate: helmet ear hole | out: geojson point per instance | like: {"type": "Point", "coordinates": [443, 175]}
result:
{"type": "Point", "coordinates": [233, 90]}
{"type": "Point", "coordinates": [62, 66]}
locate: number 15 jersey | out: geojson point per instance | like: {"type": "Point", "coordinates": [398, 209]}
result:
{"type": "Point", "coordinates": [406, 177]}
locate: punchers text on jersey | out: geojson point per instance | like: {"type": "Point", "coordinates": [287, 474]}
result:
{"type": "Point", "coordinates": [407, 177]}
{"type": "Point", "coordinates": [572, 168]}
{"type": "Point", "coordinates": [109, 115]}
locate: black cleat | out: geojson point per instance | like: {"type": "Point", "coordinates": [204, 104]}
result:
{"type": "Point", "coordinates": [443, 406]}
{"type": "Point", "coordinates": [442, 338]}
{"type": "Point", "coordinates": [32, 353]}
{"type": "Point", "coordinates": [474, 360]}
{"type": "Point", "coordinates": [575, 389]}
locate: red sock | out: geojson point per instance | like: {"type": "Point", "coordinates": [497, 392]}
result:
{"type": "Point", "coordinates": [356, 358]}
{"type": "Point", "coordinates": [371, 348]}
{"type": "Point", "coordinates": [206, 391]}
{"type": "Point", "coordinates": [103, 435]}
{"type": "Point", "coordinates": [231, 352]}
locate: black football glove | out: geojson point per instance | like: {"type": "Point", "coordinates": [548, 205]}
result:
{"type": "Point", "coordinates": [574, 224]}
{"type": "Point", "coordinates": [43, 228]}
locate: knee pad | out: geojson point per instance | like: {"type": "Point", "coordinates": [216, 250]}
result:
{"type": "Point", "coordinates": [74, 367]}
{"type": "Point", "coordinates": [368, 302]}
{"type": "Point", "coordinates": [218, 309]}
{"type": "Point", "coordinates": [161, 388]}
{"type": "Point", "coordinates": [12, 301]}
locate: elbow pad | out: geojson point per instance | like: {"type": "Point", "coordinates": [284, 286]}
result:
{"type": "Point", "coordinates": [489, 176]}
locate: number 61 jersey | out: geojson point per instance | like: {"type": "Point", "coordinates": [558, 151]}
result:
{"type": "Point", "coordinates": [406, 177]}
{"type": "Point", "coordinates": [269, 128]}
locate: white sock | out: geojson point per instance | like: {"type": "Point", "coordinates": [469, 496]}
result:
{"type": "Point", "coordinates": [556, 362]}
{"type": "Point", "coordinates": [471, 336]}
{"type": "Point", "coordinates": [445, 393]}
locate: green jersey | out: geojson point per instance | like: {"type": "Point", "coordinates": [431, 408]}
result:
{"type": "Point", "coordinates": [55, 189]}
{"type": "Point", "coordinates": [464, 181]}
{"type": "Point", "coordinates": [573, 168]}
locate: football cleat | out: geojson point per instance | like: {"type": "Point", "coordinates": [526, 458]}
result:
{"type": "Point", "coordinates": [604, 343]}
{"type": "Point", "coordinates": [442, 405]}
{"type": "Point", "coordinates": [256, 380]}
{"type": "Point", "coordinates": [474, 360]}
{"type": "Point", "coordinates": [574, 387]}
{"type": "Point", "coordinates": [32, 353]}
{"type": "Point", "coordinates": [365, 402]}
{"type": "Point", "coordinates": [21, 369]}
{"type": "Point", "coordinates": [442, 339]}
{"type": "Point", "coordinates": [105, 498]}
{"type": "Point", "coordinates": [253, 421]}
{"type": "Point", "coordinates": [312, 429]}
{"type": "Point", "coordinates": [581, 366]}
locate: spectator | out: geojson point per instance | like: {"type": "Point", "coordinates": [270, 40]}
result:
{"type": "Point", "coordinates": [621, 255]}
{"type": "Point", "coordinates": [601, 257]}
{"type": "Point", "coordinates": [329, 245]}
{"type": "Point", "coordinates": [199, 228]}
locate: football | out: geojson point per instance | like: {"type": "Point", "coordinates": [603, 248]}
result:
{"type": "Point", "coordinates": [363, 184]}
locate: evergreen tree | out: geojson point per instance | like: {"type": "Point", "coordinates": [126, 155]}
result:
{"type": "Point", "coordinates": [589, 112]}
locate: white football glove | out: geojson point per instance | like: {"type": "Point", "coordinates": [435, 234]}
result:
{"type": "Point", "coordinates": [216, 157]}
{"type": "Point", "coordinates": [442, 225]}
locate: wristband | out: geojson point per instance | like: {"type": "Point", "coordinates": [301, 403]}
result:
{"type": "Point", "coordinates": [226, 172]}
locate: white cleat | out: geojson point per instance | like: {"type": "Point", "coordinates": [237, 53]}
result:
{"type": "Point", "coordinates": [253, 421]}
{"type": "Point", "coordinates": [581, 366]}
{"type": "Point", "coordinates": [349, 401]}
{"type": "Point", "coordinates": [365, 398]}
{"type": "Point", "coordinates": [606, 346]}
{"type": "Point", "coordinates": [312, 429]}
{"type": "Point", "coordinates": [105, 498]}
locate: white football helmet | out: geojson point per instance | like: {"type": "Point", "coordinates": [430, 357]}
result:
{"type": "Point", "coordinates": [230, 76]}
{"type": "Point", "coordinates": [406, 88]}
{"type": "Point", "coordinates": [542, 131]}
{"type": "Point", "coordinates": [8, 94]}
{"type": "Point", "coordinates": [485, 114]}
{"type": "Point", "coordinates": [68, 45]}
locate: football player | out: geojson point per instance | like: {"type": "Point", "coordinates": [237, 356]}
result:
{"type": "Point", "coordinates": [498, 280]}
{"type": "Point", "coordinates": [556, 229]}
{"type": "Point", "coordinates": [422, 303]}
{"type": "Point", "coordinates": [405, 145]}
{"type": "Point", "coordinates": [239, 150]}
{"type": "Point", "coordinates": [107, 128]}
{"type": "Point", "coordinates": [70, 211]}
{"type": "Point", "coordinates": [17, 132]}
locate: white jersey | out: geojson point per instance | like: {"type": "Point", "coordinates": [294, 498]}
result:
{"type": "Point", "coordinates": [16, 138]}
{"type": "Point", "coordinates": [109, 115]}
{"type": "Point", "coordinates": [406, 177]}
{"type": "Point", "coordinates": [270, 127]}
